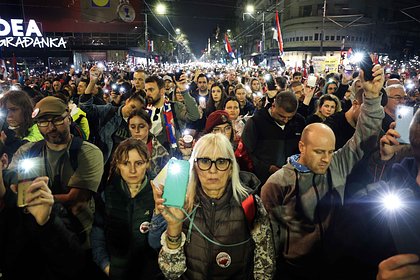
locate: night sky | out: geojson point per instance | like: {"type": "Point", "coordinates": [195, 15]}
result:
{"type": "Point", "coordinates": [198, 20]}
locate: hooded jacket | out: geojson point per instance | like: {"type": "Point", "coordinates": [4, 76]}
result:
{"type": "Point", "coordinates": [302, 205]}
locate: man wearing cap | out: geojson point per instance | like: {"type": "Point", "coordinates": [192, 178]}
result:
{"type": "Point", "coordinates": [272, 134]}
{"type": "Point", "coordinates": [169, 87]}
{"type": "Point", "coordinates": [74, 166]}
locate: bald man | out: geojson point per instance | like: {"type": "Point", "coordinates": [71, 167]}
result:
{"type": "Point", "coordinates": [303, 197]}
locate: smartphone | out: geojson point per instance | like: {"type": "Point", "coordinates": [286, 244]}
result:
{"type": "Point", "coordinates": [311, 81]}
{"type": "Point", "coordinates": [404, 115]}
{"type": "Point", "coordinates": [176, 182]}
{"type": "Point", "coordinates": [28, 170]}
{"type": "Point", "coordinates": [366, 65]}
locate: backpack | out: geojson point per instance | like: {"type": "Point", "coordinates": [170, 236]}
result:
{"type": "Point", "coordinates": [76, 129]}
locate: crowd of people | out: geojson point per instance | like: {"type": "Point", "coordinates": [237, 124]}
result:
{"type": "Point", "coordinates": [289, 179]}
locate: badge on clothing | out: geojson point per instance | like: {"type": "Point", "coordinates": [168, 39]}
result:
{"type": "Point", "coordinates": [144, 227]}
{"type": "Point", "coordinates": [223, 259]}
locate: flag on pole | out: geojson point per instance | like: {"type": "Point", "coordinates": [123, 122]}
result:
{"type": "Point", "coordinates": [277, 34]}
{"type": "Point", "coordinates": [228, 47]}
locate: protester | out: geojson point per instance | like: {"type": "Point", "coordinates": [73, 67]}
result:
{"type": "Point", "coordinates": [36, 242]}
{"type": "Point", "coordinates": [139, 124]}
{"type": "Point", "coordinates": [272, 135]}
{"type": "Point", "coordinates": [304, 196]}
{"type": "Point", "coordinates": [381, 221]}
{"type": "Point", "coordinates": [328, 105]}
{"type": "Point", "coordinates": [119, 235]}
{"type": "Point", "coordinates": [235, 246]}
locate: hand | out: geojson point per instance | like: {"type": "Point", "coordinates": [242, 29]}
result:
{"type": "Point", "coordinates": [3, 137]}
{"type": "Point", "coordinates": [347, 77]}
{"type": "Point", "coordinates": [389, 144]}
{"type": "Point", "coordinates": [173, 216]}
{"type": "Point", "coordinates": [373, 88]}
{"type": "Point", "coordinates": [185, 151]}
{"type": "Point", "coordinates": [308, 91]}
{"type": "Point", "coordinates": [182, 83]}
{"type": "Point", "coordinates": [39, 200]}
{"type": "Point", "coordinates": [402, 267]}
{"type": "Point", "coordinates": [106, 270]}
{"type": "Point", "coordinates": [94, 73]}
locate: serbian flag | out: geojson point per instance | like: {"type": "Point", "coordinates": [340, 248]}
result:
{"type": "Point", "coordinates": [277, 34]}
{"type": "Point", "coordinates": [228, 47]}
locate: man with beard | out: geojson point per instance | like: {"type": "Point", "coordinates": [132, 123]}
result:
{"type": "Point", "coordinates": [74, 167]}
{"type": "Point", "coordinates": [169, 117]}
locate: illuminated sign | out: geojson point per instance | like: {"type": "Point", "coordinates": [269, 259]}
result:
{"type": "Point", "coordinates": [13, 35]}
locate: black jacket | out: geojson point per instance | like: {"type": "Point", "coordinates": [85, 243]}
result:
{"type": "Point", "coordinates": [30, 251]}
{"type": "Point", "coordinates": [268, 144]}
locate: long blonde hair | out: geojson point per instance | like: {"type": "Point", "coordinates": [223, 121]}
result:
{"type": "Point", "coordinates": [214, 144]}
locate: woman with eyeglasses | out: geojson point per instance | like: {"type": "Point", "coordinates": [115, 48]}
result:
{"type": "Point", "coordinates": [122, 218]}
{"type": "Point", "coordinates": [223, 231]}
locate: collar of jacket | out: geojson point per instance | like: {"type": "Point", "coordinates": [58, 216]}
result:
{"type": "Point", "coordinates": [293, 160]}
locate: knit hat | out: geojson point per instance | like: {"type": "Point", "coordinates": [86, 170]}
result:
{"type": "Point", "coordinates": [216, 118]}
{"type": "Point", "coordinates": [49, 105]}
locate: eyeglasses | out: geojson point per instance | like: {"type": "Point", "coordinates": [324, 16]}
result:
{"type": "Point", "coordinates": [225, 129]}
{"type": "Point", "coordinates": [332, 88]}
{"type": "Point", "coordinates": [222, 164]}
{"type": "Point", "coordinates": [398, 98]}
{"type": "Point", "coordinates": [57, 121]}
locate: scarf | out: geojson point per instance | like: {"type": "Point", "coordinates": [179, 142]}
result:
{"type": "Point", "coordinates": [168, 118]}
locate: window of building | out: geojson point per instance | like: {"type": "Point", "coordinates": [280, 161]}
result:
{"type": "Point", "coordinates": [305, 11]}
{"type": "Point", "coordinates": [319, 9]}
{"type": "Point", "coordinates": [327, 38]}
{"type": "Point", "coordinates": [352, 38]}
{"type": "Point", "coordinates": [316, 36]}
{"type": "Point", "coordinates": [306, 38]}
{"type": "Point", "coordinates": [311, 38]}
{"type": "Point", "coordinates": [332, 38]}
{"type": "Point", "coordinates": [301, 38]}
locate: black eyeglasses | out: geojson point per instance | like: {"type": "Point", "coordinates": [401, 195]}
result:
{"type": "Point", "coordinates": [57, 121]}
{"type": "Point", "coordinates": [222, 164]}
{"type": "Point", "coordinates": [156, 116]}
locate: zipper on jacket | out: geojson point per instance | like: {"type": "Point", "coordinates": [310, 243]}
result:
{"type": "Point", "coordinates": [213, 214]}
{"type": "Point", "coordinates": [321, 227]}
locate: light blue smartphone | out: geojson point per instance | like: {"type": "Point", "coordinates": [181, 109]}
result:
{"type": "Point", "coordinates": [403, 117]}
{"type": "Point", "coordinates": [178, 175]}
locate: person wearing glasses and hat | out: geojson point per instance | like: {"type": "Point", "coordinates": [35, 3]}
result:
{"type": "Point", "coordinates": [74, 167]}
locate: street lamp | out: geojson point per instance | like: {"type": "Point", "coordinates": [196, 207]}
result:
{"type": "Point", "coordinates": [250, 10]}
{"type": "Point", "coordinates": [161, 9]}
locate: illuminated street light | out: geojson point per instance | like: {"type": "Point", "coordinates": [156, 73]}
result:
{"type": "Point", "coordinates": [161, 9]}
{"type": "Point", "coordinates": [178, 31]}
{"type": "Point", "coordinates": [250, 9]}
